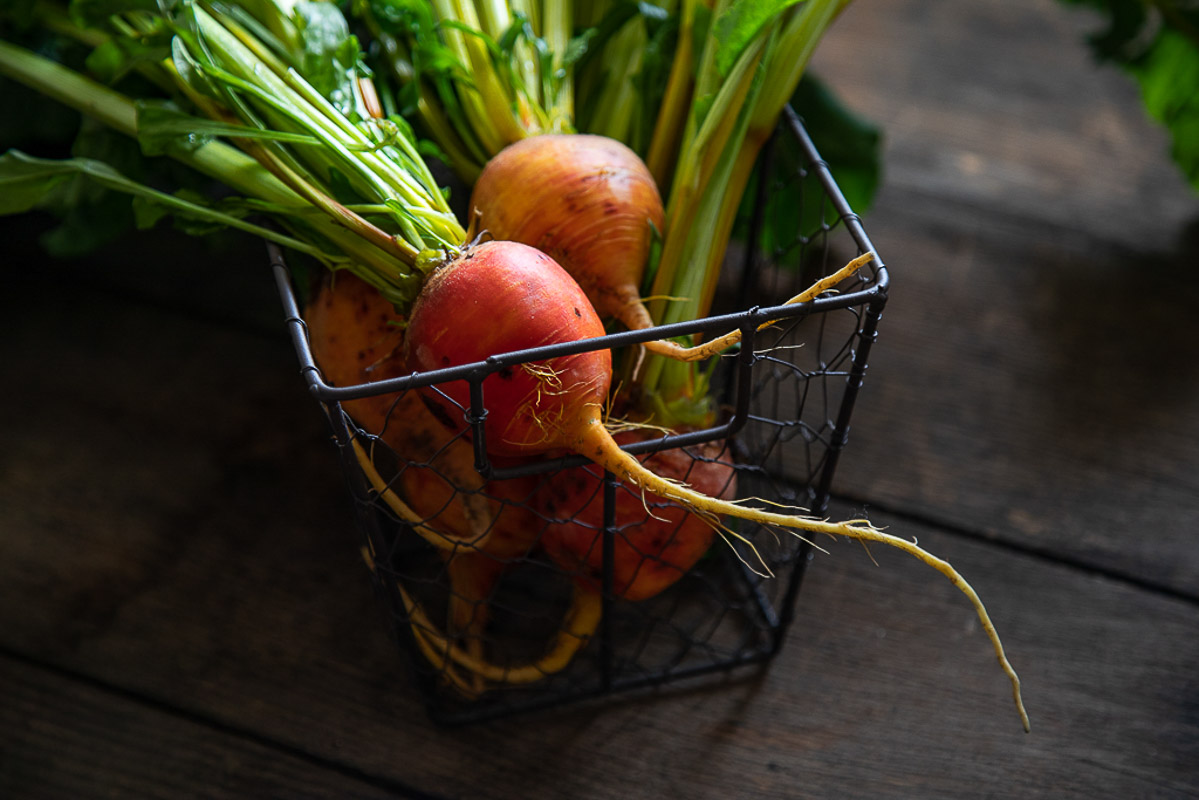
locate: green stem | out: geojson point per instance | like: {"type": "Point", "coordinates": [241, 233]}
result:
{"type": "Point", "coordinates": [217, 160]}
{"type": "Point", "coordinates": [705, 146]}
{"type": "Point", "coordinates": [485, 103]}
{"type": "Point", "coordinates": [556, 30]}
{"type": "Point", "coordinates": [797, 42]}
{"type": "Point", "coordinates": [293, 98]}
{"type": "Point", "coordinates": [615, 107]}
{"type": "Point", "coordinates": [241, 69]}
{"type": "Point", "coordinates": [717, 158]}
{"type": "Point", "coordinates": [465, 153]}
{"type": "Point", "coordinates": [69, 88]}
{"type": "Point", "coordinates": [281, 88]}
{"type": "Point", "coordinates": [672, 116]}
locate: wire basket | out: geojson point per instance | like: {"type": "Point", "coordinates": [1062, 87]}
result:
{"type": "Point", "coordinates": [540, 596]}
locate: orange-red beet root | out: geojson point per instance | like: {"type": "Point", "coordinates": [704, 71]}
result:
{"type": "Point", "coordinates": [499, 297]}
{"type": "Point", "coordinates": [655, 541]}
{"type": "Point", "coordinates": [588, 202]}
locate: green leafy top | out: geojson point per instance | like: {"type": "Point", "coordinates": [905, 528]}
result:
{"type": "Point", "coordinates": [737, 26]}
{"type": "Point", "coordinates": [1158, 44]}
{"type": "Point", "coordinates": [351, 190]}
{"type": "Point", "coordinates": [626, 56]}
{"type": "Point", "coordinates": [477, 76]}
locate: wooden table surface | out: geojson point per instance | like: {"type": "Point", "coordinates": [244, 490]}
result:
{"type": "Point", "coordinates": [183, 610]}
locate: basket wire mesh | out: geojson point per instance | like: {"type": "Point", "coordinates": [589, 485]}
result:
{"type": "Point", "coordinates": [558, 629]}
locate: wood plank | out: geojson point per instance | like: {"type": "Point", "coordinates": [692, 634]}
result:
{"type": "Point", "coordinates": [60, 737]}
{"type": "Point", "coordinates": [1064, 416]}
{"type": "Point", "coordinates": [997, 107]}
{"type": "Point", "coordinates": [1036, 369]}
{"type": "Point", "coordinates": [182, 535]}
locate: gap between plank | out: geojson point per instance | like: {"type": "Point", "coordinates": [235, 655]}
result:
{"type": "Point", "coordinates": [1018, 548]}
{"type": "Point", "coordinates": [218, 725]}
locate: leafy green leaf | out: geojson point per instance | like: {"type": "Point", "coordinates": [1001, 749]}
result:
{"type": "Point", "coordinates": [148, 212]}
{"type": "Point", "coordinates": [25, 183]}
{"type": "Point", "coordinates": [108, 62]}
{"type": "Point", "coordinates": [412, 21]}
{"type": "Point", "coordinates": [577, 47]}
{"type": "Point", "coordinates": [115, 58]}
{"type": "Point", "coordinates": [640, 35]}
{"type": "Point", "coordinates": [595, 40]}
{"type": "Point", "coordinates": [88, 217]}
{"type": "Point", "coordinates": [162, 128]}
{"type": "Point", "coordinates": [1158, 45]}
{"type": "Point", "coordinates": [330, 52]}
{"type": "Point", "coordinates": [403, 17]}
{"type": "Point", "coordinates": [190, 71]}
{"type": "Point", "coordinates": [92, 215]}
{"type": "Point", "coordinates": [738, 26]}
{"type": "Point", "coordinates": [28, 183]}
{"type": "Point", "coordinates": [1169, 78]}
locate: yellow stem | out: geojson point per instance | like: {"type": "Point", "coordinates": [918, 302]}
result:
{"type": "Point", "coordinates": [672, 116]}
{"type": "Point", "coordinates": [743, 167]}
{"type": "Point", "coordinates": [380, 238]}
{"type": "Point", "coordinates": [580, 624]}
{"type": "Point", "coordinates": [440, 540]}
{"type": "Point", "coordinates": [690, 185]}
{"type": "Point", "coordinates": [716, 346]}
{"type": "Point", "coordinates": [594, 442]}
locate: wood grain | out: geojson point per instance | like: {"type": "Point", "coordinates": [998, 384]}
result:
{"type": "Point", "coordinates": [1038, 362]}
{"type": "Point", "coordinates": [999, 110]}
{"type": "Point", "coordinates": [225, 585]}
{"type": "Point", "coordinates": [62, 737]}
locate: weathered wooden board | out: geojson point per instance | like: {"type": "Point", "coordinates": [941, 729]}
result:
{"type": "Point", "coordinates": [1062, 416]}
{"type": "Point", "coordinates": [203, 562]}
{"type": "Point", "coordinates": [998, 108]}
{"type": "Point", "coordinates": [1037, 367]}
{"type": "Point", "coordinates": [63, 737]}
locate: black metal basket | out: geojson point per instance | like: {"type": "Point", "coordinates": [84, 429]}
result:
{"type": "Point", "coordinates": [787, 393]}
